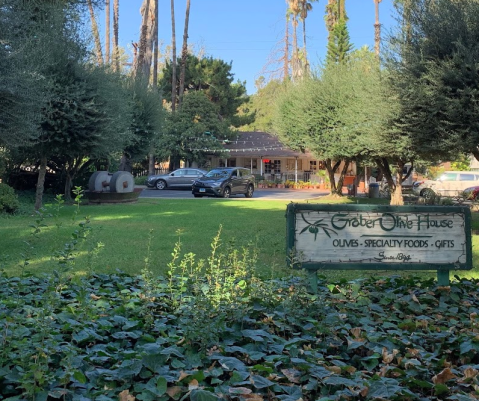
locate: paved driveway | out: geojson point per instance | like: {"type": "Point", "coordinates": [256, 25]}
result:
{"type": "Point", "coordinates": [273, 193]}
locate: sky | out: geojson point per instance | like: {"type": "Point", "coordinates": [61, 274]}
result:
{"type": "Point", "coordinates": [249, 33]}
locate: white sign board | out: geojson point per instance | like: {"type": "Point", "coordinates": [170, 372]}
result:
{"type": "Point", "coordinates": [382, 235]}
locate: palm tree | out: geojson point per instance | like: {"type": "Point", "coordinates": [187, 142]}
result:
{"type": "Point", "coordinates": [116, 53]}
{"type": "Point", "coordinates": [305, 8]}
{"type": "Point", "coordinates": [377, 29]}
{"type": "Point", "coordinates": [107, 31]}
{"type": "Point", "coordinates": [184, 53]}
{"type": "Point", "coordinates": [143, 39]}
{"type": "Point", "coordinates": [294, 11]}
{"type": "Point", "coordinates": [173, 66]}
{"type": "Point", "coordinates": [96, 35]}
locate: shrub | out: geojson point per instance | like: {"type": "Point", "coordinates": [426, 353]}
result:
{"type": "Point", "coordinates": [8, 199]}
{"type": "Point", "coordinates": [140, 180]}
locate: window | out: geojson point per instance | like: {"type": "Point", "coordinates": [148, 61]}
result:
{"type": "Point", "coordinates": [313, 165]}
{"type": "Point", "coordinates": [466, 177]}
{"type": "Point", "coordinates": [272, 166]}
{"type": "Point", "coordinates": [231, 163]}
{"type": "Point", "coordinates": [291, 163]}
{"type": "Point", "coordinates": [248, 162]}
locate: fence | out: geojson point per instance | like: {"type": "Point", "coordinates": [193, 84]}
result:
{"type": "Point", "coordinates": [141, 172]}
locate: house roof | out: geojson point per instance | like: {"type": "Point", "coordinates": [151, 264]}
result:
{"type": "Point", "coordinates": [260, 144]}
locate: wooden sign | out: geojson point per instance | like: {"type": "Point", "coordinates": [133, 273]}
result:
{"type": "Point", "coordinates": [378, 237]}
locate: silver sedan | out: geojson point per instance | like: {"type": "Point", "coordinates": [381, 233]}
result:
{"type": "Point", "coordinates": [181, 178]}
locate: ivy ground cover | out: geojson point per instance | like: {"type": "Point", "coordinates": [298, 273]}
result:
{"type": "Point", "coordinates": [225, 335]}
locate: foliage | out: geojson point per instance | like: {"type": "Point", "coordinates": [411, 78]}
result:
{"type": "Point", "coordinates": [333, 114]}
{"type": "Point", "coordinates": [462, 163]}
{"type": "Point", "coordinates": [22, 88]}
{"type": "Point", "coordinates": [225, 334]}
{"type": "Point", "coordinates": [194, 131]}
{"type": "Point", "coordinates": [262, 105]}
{"type": "Point", "coordinates": [214, 78]}
{"type": "Point", "coordinates": [147, 119]}
{"type": "Point", "coordinates": [339, 44]}
{"type": "Point", "coordinates": [8, 199]}
{"type": "Point", "coordinates": [433, 70]}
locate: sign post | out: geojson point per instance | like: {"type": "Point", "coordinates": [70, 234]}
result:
{"type": "Point", "coordinates": [372, 237]}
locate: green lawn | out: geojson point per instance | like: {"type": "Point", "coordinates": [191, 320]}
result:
{"type": "Point", "coordinates": [126, 230]}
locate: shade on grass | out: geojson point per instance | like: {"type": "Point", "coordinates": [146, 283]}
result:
{"type": "Point", "coordinates": [150, 228]}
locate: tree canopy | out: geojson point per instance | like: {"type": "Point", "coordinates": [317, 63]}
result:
{"type": "Point", "coordinates": [195, 130]}
{"type": "Point", "coordinates": [434, 71]}
{"type": "Point", "coordinates": [214, 78]}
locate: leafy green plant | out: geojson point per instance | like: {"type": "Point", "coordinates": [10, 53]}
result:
{"type": "Point", "coordinates": [8, 199]}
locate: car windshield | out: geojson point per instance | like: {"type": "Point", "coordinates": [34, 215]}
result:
{"type": "Point", "coordinates": [217, 174]}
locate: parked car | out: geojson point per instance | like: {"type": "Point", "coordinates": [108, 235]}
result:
{"type": "Point", "coordinates": [450, 183]}
{"type": "Point", "coordinates": [224, 182]}
{"type": "Point", "coordinates": [181, 178]}
{"type": "Point", "coordinates": [471, 193]}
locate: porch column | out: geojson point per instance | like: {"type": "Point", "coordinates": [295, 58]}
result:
{"type": "Point", "coordinates": [296, 169]}
{"type": "Point", "coordinates": [226, 162]}
{"type": "Point", "coordinates": [251, 166]}
{"type": "Point", "coordinates": [261, 165]}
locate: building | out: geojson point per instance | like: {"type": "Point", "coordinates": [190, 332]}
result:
{"type": "Point", "coordinates": [266, 156]}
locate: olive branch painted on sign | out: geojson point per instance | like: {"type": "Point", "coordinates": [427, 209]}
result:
{"type": "Point", "coordinates": [313, 228]}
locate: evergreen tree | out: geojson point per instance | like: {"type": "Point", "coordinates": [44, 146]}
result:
{"type": "Point", "coordinates": [339, 44]}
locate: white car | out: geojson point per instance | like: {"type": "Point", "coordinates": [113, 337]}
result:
{"type": "Point", "coordinates": [450, 183]}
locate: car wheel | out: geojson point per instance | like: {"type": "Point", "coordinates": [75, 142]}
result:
{"type": "Point", "coordinates": [197, 196]}
{"type": "Point", "coordinates": [249, 191]}
{"type": "Point", "coordinates": [160, 184]}
{"type": "Point", "coordinates": [226, 192]}
{"type": "Point", "coordinates": [428, 193]}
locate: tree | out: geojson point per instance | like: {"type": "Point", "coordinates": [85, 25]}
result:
{"type": "Point", "coordinates": [262, 104]}
{"type": "Point", "coordinates": [96, 33]}
{"type": "Point", "coordinates": [184, 54]}
{"type": "Point", "coordinates": [294, 10]}
{"type": "Point", "coordinates": [433, 70]}
{"type": "Point", "coordinates": [173, 58]}
{"type": "Point", "coordinates": [331, 114]}
{"type": "Point", "coordinates": [22, 88]}
{"type": "Point", "coordinates": [305, 7]}
{"type": "Point", "coordinates": [377, 28]}
{"type": "Point", "coordinates": [195, 130]}
{"type": "Point", "coordinates": [214, 78]}
{"type": "Point", "coordinates": [116, 22]}
{"type": "Point", "coordinates": [107, 31]}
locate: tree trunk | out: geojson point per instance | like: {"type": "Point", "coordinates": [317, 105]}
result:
{"type": "Point", "coordinates": [286, 52]}
{"type": "Point", "coordinates": [68, 186]}
{"type": "Point", "coordinates": [184, 54]}
{"type": "Point", "coordinates": [377, 29]}
{"type": "Point", "coordinates": [397, 198]}
{"type": "Point", "coordinates": [151, 163]}
{"type": "Point", "coordinates": [107, 31]}
{"type": "Point", "coordinates": [331, 169]}
{"type": "Point", "coordinates": [305, 53]}
{"type": "Point", "coordinates": [40, 183]}
{"type": "Point", "coordinates": [296, 64]}
{"type": "Point", "coordinates": [150, 35]}
{"type": "Point", "coordinates": [339, 186]}
{"type": "Point", "coordinates": [173, 66]}
{"type": "Point", "coordinates": [155, 53]}
{"type": "Point", "coordinates": [143, 38]}
{"type": "Point", "coordinates": [395, 186]}
{"type": "Point", "coordinates": [116, 52]}
{"type": "Point", "coordinates": [96, 34]}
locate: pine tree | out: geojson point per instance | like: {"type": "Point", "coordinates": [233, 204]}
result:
{"type": "Point", "coordinates": [339, 45]}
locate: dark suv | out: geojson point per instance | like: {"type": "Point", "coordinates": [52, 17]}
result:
{"type": "Point", "coordinates": [224, 182]}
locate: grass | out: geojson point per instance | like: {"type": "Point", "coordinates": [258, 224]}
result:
{"type": "Point", "coordinates": [151, 228]}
